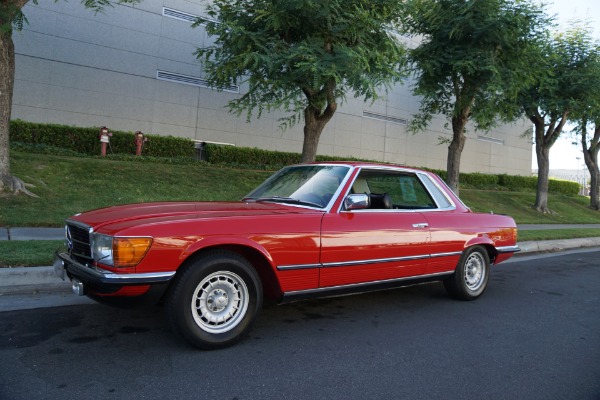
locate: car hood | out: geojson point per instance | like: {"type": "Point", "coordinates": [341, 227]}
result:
{"type": "Point", "coordinates": [118, 218]}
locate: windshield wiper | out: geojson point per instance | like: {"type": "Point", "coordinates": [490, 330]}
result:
{"type": "Point", "coordinates": [285, 200]}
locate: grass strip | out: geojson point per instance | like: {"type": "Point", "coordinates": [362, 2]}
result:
{"type": "Point", "coordinates": [552, 234]}
{"type": "Point", "coordinates": [27, 253]}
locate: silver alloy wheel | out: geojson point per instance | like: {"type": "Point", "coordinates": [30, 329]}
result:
{"type": "Point", "coordinates": [474, 271]}
{"type": "Point", "coordinates": [220, 302]}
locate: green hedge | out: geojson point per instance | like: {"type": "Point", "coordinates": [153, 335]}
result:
{"type": "Point", "coordinates": [233, 155]}
{"type": "Point", "coordinates": [220, 154]}
{"type": "Point", "coordinates": [563, 187]}
{"type": "Point", "coordinates": [86, 141]}
{"type": "Point", "coordinates": [514, 182]}
{"type": "Point", "coordinates": [68, 140]}
{"type": "Point", "coordinates": [479, 180]}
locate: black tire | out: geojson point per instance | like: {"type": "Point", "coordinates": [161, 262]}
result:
{"type": "Point", "coordinates": [471, 275]}
{"type": "Point", "coordinates": [215, 300]}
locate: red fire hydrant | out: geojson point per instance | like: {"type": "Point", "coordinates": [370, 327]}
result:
{"type": "Point", "coordinates": [104, 140]}
{"type": "Point", "coordinates": [139, 142]}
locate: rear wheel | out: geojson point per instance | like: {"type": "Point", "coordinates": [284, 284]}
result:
{"type": "Point", "coordinates": [471, 275]}
{"type": "Point", "coordinates": [215, 300]}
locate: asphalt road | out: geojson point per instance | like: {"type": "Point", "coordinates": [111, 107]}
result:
{"type": "Point", "coordinates": [535, 334]}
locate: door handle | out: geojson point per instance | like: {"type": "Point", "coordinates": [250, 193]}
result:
{"type": "Point", "coordinates": [421, 225]}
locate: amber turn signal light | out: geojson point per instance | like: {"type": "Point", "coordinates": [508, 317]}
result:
{"type": "Point", "coordinates": [128, 252]}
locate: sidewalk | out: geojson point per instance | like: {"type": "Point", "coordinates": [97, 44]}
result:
{"type": "Point", "coordinates": [32, 280]}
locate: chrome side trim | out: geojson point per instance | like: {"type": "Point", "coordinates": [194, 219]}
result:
{"type": "Point", "coordinates": [508, 249]}
{"type": "Point", "coordinates": [454, 253]}
{"type": "Point", "coordinates": [297, 266]}
{"type": "Point", "coordinates": [365, 262]}
{"type": "Point", "coordinates": [106, 277]}
{"type": "Point", "coordinates": [375, 261]}
{"type": "Point", "coordinates": [365, 284]}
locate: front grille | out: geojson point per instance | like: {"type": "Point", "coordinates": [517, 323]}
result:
{"type": "Point", "coordinates": [78, 240]}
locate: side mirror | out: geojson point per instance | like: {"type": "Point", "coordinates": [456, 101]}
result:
{"type": "Point", "coordinates": [358, 201]}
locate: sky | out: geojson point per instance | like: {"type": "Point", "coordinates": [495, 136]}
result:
{"type": "Point", "coordinates": [563, 154]}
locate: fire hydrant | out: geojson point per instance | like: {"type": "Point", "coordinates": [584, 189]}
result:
{"type": "Point", "coordinates": [104, 140]}
{"type": "Point", "coordinates": [139, 142]}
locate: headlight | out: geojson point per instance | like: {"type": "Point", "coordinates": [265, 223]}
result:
{"type": "Point", "coordinates": [102, 249]}
{"type": "Point", "coordinates": [119, 252]}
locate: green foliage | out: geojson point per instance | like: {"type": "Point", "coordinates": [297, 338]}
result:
{"type": "Point", "coordinates": [299, 53]}
{"type": "Point", "coordinates": [566, 82]}
{"type": "Point", "coordinates": [529, 183]}
{"type": "Point", "coordinates": [585, 114]}
{"type": "Point", "coordinates": [258, 158]}
{"type": "Point", "coordinates": [479, 180]}
{"type": "Point", "coordinates": [473, 57]}
{"type": "Point", "coordinates": [44, 149]}
{"type": "Point", "coordinates": [471, 61]}
{"type": "Point", "coordinates": [48, 137]}
{"type": "Point", "coordinates": [233, 155]}
{"type": "Point", "coordinates": [563, 187]}
{"type": "Point", "coordinates": [517, 183]}
{"type": "Point", "coordinates": [566, 86]}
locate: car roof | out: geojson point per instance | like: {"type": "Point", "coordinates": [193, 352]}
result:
{"type": "Point", "coordinates": [368, 164]}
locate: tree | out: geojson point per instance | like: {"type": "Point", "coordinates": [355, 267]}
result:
{"type": "Point", "coordinates": [470, 63]}
{"type": "Point", "coordinates": [586, 113]}
{"type": "Point", "coordinates": [302, 56]}
{"type": "Point", "coordinates": [558, 92]}
{"type": "Point", "coordinates": [12, 18]}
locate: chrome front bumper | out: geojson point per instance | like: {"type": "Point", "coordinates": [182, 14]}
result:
{"type": "Point", "coordinates": [66, 266]}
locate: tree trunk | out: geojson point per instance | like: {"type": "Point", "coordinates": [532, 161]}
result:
{"type": "Point", "coordinates": [544, 140]}
{"type": "Point", "coordinates": [543, 158]}
{"type": "Point", "coordinates": [7, 75]}
{"type": "Point", "coordinates": [454, 152]}
{"type": "Point", "coordinates": [315, 119]}
{"type": "Point", "coordinates": [590, 155]}
{"type": "Point", "coordinates": [312, 133]}
{"type": "Point", "coordinates": [594, 181]}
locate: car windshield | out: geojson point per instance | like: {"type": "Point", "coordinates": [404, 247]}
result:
{"type": "Point", "coordinates": [309, 185]}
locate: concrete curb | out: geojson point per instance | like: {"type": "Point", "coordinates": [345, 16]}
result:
{"type": "Point", "coordinates": [31, 280]}
{"type": "Point", "coordinates": [546, 246]}
{"type": "Point", "coordinates": [22, 280]}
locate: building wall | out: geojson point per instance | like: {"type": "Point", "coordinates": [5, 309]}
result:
{"type": "Point", "coordinates": [77, 68]}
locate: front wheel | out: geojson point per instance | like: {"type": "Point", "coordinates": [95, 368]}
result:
{"type": "Point", "coordinates": [471, 275]}
{"type": "Point", "coordinates": [215, 300]}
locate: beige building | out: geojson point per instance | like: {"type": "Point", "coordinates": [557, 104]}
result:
{"type": "Point", "coordinates": [132, 68]}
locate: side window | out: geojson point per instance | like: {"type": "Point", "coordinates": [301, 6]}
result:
{"type": "Point", "coordinates": [437, 193]}
{"type": "Point", "coordinates": [392, 189]}
{"type": "Point", "coordinates": [413, 194]}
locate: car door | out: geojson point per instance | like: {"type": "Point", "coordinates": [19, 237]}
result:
{"type": "Point", "coordinates": [382, 242]}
